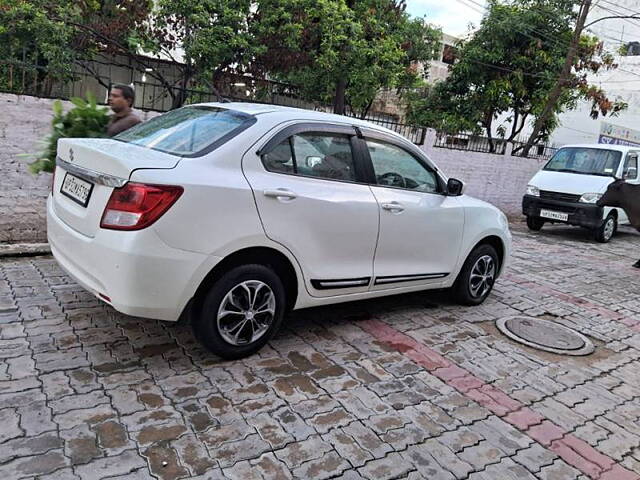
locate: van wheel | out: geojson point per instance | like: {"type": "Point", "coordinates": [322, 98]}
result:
{"type": "Point", "coordinates": [475, 280]}
{"type": "Point", "coordinates": [241, 312]}
{"type": "Point", "coordinates": [534, 223]}
{"type": "Point", "coordinates": [607, 230]}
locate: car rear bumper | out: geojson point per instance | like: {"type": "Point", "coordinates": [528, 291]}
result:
{"type": "Point", "coordinates": [581, 214]}
{"type": "Point", "coordinates": [136, 271]}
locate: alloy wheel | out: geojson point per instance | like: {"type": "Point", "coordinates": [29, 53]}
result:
{"type": "Point", "coordinates": [482, 276]}
{"type": "Point", "coordinates": [609, 228]}
{"type": "Point", "coordinates": [246, 313]}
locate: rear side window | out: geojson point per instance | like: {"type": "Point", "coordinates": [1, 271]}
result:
{"type": "Point", "coordinates": [188, 131]}
{"type": "Point", "coordinates": [320, 155]}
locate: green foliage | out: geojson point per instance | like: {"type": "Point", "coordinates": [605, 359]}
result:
{"type": "Point", "coordinates": [212, 34]}
{"type": "Point", "coordinates": [508, 67]}
{"type": "Point", "coordinates": [35, 32]}
{"type": "Point", "coordinates": [330, 47]}
{"type": "Point", "coordinates": [85, 120]}
{"type": "Point", "coordinates": [47, 39]}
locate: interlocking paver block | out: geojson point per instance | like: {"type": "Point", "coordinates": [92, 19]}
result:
{"type": "Point", "coordinates": [391, 466]}
{"type": "Point", "coordinates": [122, 464]}
{"type": "Point", "coordinates": [400, 386]}
{"type": "Point", "coordinates": [295, 454]}
{"type": "Point", "coordinates": [328, 466]}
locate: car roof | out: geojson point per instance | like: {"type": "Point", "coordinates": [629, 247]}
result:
{"type": "Point", "coordinates": [291, 113]}
{"type": "Point", "coordinates": [603, 146]}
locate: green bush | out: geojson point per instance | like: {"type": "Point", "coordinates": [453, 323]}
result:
{"type": "Point", "coordinates": [85, 120]}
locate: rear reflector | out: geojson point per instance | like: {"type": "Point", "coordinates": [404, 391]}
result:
{"type": "Point", "coordinates": [102, 295]}
{"type": "Point", "coordinates": [137, 205]}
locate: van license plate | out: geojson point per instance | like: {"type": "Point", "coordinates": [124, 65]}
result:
{"type": "Point", "coordinates": [554, 215]}
{"type": "Point", "coordinates": [76, 189]}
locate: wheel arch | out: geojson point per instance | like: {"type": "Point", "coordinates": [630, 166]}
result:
{"type": "Point", "coordinates": [267, 256]}
{"type": "Point", "coordinates": [497, 243]}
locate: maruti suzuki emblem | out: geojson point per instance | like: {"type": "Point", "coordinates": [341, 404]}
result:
{"type": "Point", "coordinates": [71, 154]}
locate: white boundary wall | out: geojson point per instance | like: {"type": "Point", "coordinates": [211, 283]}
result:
{"type": "Point", "coordinates": [24, 121]}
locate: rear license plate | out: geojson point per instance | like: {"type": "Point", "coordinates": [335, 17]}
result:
{"type": "Point", "coordinates": [554, 215]}
{"type": "Point", "coordinates": [76, 189]}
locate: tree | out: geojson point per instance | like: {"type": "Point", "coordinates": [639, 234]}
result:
{"type": "Point", "coordinates": [508, 67]}
{"type": "Point", "coordinates": [53, 36]}
{"type": "Point", "coordinates": [569, 79]}
{"type": "Point", "coordinates": [29, 36]}
{"type": "Point", "coordinates": [340, 50]}
{"type": "Point", "coordinates": [212, 36]}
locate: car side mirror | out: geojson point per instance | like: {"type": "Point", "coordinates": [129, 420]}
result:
{"type": "Point", "coordinates": [313, 161]}
{"type": "Point", "coordinates": [455, 187]}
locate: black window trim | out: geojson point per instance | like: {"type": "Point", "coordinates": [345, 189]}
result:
{"type": "Point", "coordinates": [322, 128]}
{"type": "Point", "coordinates": [249, 121]}
{"type": "Point", "coordinates": [409, 149]}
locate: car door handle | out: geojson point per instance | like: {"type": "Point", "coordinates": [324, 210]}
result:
{"type": "Point", "coordinates": [280, 193]}
{"type": "Point", "coordinates": [393, 207]}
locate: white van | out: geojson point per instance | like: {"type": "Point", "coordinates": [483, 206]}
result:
{"type": "Point", "coordinates": [569, 185]}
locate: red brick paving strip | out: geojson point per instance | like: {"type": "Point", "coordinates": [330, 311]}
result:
{"type": "Point", "coordinates": [570, 448]}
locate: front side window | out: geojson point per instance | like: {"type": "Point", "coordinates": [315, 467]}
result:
{"type": "Point", "coordinates": [586, 161]}
{"type": "Point", "coordinates": [631, 167]}
{"type": "Point", "coordinates": [320, 155]}
{"type": "Point", "coordinates": [395, 167]}
{"type": "Point", "coordinates": [186, 131]}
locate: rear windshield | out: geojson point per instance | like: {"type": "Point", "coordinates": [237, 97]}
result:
{"type": "Point", "coordinates": [188, 131]}
{"type": "Point", "coordinates": [587, 161]}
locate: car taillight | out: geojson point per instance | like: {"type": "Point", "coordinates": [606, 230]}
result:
{"type": "Point", "coordinates": [137, 205]}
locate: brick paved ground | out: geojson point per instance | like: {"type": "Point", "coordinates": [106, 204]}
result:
{"type": "Point", "coordinates": [405, 387]}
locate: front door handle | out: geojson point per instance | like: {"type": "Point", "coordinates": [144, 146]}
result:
{"type": "Point", "coordinates": [393, 207]}
{"type": "Point", "coordinates": [280, 193]}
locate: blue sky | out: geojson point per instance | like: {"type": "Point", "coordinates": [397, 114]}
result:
{"type": "Point", "coordinates": [453, 16]}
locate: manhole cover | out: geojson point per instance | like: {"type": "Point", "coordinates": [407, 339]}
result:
{"type": "Point", "coordinates": [545, 335]}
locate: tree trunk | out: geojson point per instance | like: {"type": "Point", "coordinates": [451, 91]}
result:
{"type": "Point", "coordinates": [181, 92]}
{"type": "Point", "coordinates": [365, 112]}
{"type": "Point", "coordinates": [558, 88]}
{"type": "Point", "coordinates": [487, 125]}
{"type": "Point", "coordinates": [339, 99]}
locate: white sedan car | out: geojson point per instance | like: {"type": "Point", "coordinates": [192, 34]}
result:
{"type": "Point", "coordinates": [232, 214]}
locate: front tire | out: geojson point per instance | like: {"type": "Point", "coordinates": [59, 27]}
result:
{"type": "Point", "coordinates": [607, 230]}
{"type": "Point", "coordinates": [534, 223]}
{"type": "Point", "coordinates": [242, 312]}
{"type": "Point", "coordinates": [475, 280]}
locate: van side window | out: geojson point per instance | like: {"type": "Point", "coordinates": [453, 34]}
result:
{"type": "Point", "coordinates": [631, 167]}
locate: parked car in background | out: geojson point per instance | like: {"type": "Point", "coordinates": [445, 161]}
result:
{"type": "Point", "coordinates": [569, 185]}
{"type": "Point", "coordinates": [231, 214]}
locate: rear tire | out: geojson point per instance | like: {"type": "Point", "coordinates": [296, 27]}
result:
{"type": "Point", "coordinates": [475, 280]}
{"type": "Point", "coordinates": [241, 312]}
{"type": "Point", "coordinates": [607, 230]}
{"type": "Point", "coordinates": [535, 223]}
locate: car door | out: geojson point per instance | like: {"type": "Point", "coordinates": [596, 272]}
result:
{"type": "Point", "coordinates": [421, 228]}
{"type": "Point", "coordinates": [311, 197]}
